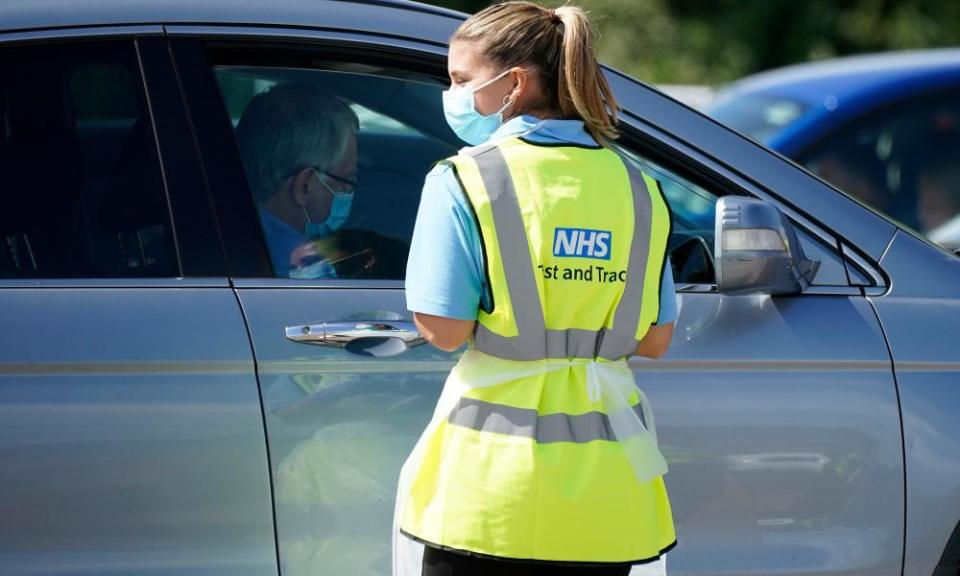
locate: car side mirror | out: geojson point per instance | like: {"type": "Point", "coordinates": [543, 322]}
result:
{"type": "Point", "coordinates": [756, 249]}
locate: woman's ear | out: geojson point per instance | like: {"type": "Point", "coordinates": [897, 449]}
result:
{"type": "Point", "coordinates": [527, 90]}
{"type": "Point", "coordinates": [521, 84]}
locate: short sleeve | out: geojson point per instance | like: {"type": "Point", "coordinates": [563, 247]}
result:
{"type": "Point", "coordinates": [668, 296]}
{"type": "Point", "coordinates": [444, 270]}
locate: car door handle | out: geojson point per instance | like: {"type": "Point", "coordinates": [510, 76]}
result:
{"type": "Point", "coordinates": [340, 334]}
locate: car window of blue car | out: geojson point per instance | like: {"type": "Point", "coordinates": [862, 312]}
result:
{"type": "Point", "coordinates": [903, 161]}
{"type": "Point", "coordinates": [82, 191]}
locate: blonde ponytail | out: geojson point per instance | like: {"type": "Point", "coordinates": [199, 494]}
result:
{"type": "Point", "coordinates": [582, 88]}
{"type": "Point", "coordinates": [558, 44]}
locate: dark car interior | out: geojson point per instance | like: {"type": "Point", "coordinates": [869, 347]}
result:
{"type": "Point", "coordinates": [82, 190]}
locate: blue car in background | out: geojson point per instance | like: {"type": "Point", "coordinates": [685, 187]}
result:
{"type": "Point", "coordinates": [874, 126]}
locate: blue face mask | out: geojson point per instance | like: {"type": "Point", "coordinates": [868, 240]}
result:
{"type": "Point", "coordinates": [321, 269]}
{"type": "Point", "coordinates": [339, 211]}
{"type": "Point", "coordinates": [459, 108]}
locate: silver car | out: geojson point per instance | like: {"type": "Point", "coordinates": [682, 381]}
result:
{"type": "Point", "coordinates": [171, 407]}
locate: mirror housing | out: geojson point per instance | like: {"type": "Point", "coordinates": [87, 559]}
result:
{"type": "Point", "coordinates": [756, 249]}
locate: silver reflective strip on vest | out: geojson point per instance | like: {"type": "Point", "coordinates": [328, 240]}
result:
{"type": "Point", "coordinates": [534, 341]}
{"type": "Point", "coordinates": [530, 343]}
{"type": "Point", "coordinates": [512, 421]}
{"type": "Point", "coordinates": [621, 339]}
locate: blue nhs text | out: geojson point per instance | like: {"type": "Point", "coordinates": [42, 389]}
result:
{"type": "Point", "coordinates": [581, 243]}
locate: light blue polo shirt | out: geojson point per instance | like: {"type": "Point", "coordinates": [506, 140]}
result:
{"type": "Point", "coordinates": [445, 274]}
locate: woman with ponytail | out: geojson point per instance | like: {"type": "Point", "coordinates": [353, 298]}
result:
{"type": "Point", "coordinates": [546, 252]}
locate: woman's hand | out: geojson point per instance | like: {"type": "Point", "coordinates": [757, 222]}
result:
{"type": "Point", "coordinates": [447, 334]}
{"type": "Point", "coordinates": [656, 341]}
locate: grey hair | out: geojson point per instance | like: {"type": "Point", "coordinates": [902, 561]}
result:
{"type": "Point", "coordinates": [290, 127]}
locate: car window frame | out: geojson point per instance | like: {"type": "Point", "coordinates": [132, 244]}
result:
{"type": "Point", "coordinates": [643, 137]}
{"type": "Point", "coordinates": [173, 147]}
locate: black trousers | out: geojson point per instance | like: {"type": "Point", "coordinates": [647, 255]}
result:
{"type": "Point", "coordinates": [437, 562]}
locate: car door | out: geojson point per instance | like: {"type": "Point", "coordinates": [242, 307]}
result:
{"type": "Point", "coordinates": [778, 415]}
{"type": "Point", "coordinates": [131, 438]}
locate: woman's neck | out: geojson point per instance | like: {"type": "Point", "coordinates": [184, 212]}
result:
{"type": "Point", "coordinates": [540, 114]}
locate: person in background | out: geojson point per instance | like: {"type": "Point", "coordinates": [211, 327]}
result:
{"type": "Point", "coordinates": [299, 149]}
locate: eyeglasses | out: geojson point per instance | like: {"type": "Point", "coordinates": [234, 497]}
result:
{"type": "Point", "coordinates": [351, 184]}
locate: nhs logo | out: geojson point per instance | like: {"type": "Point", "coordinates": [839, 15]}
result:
{"type": "Point", "coordinates": [581, 243]}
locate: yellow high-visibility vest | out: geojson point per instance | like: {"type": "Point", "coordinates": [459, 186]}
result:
{"type": "Point", "coordinates": [526, 464]}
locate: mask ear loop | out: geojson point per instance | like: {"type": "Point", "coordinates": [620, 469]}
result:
{"type": "Point", "coordinates": [506, 104]}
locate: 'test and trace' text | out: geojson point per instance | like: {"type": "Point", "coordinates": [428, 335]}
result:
{"type": "Point", "coordinates": [599, 274]}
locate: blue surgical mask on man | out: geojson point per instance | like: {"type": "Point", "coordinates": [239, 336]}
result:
{"type": "Point", "coordinates": [459, 108]}
{"type": "Point", "coordinates": [320, 269]}
{"type": "Point", "coordinates": [339, 212]}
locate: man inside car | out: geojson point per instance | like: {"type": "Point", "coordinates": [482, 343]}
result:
{"type": "Point", "coordinates": [299, 149]}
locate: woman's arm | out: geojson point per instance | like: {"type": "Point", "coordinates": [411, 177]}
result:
{"type": "Point", "coordinates": [447, 334]}
{"type": "Point", "coordinates": [656, 341]}
{"type": "Point", "coordinates": [444, 281]}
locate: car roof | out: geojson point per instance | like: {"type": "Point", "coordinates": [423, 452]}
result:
{"type": "Point", "coordinates": [851, 78]}
{"type": "Point", "coordinates": [31, 15]}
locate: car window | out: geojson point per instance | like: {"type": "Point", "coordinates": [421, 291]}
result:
{"type": "Point", "coordinates": [332, 205]}
{"type": "Point", "coordinates": [904, 162]}
{"type": "Point", "coordinates": [693, 208]}
{"type": "Point", "coordinates": [79, 174]}
{"type": "Point", "coordinates": [401, 132]}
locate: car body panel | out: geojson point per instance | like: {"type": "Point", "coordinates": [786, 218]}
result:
{"type": "Point", "coordinates": [339, 426]}
{"type": "Point", "coordinates": [131, 435]}
{"type": "Point", "coordinates": [789, 462]}
{"type": "Point", "coordinates": [921, 319]}
{"type": "Point", "coordinates": [782, 436]}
